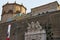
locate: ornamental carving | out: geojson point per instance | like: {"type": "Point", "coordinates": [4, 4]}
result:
{"type": "Point", "coordinates": [34, 26]}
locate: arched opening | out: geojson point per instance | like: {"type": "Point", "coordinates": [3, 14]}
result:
{"type": "Point", "coordinates": [10, 11]}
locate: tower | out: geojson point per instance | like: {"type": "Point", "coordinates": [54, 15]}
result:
{"type": "Point", "coordinates": [11, 9]}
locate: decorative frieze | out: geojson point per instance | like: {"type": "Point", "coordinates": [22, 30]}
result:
{"type": "Point", "coordinates": [35, 32]}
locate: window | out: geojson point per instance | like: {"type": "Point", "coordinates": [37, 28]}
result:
{"type": "Point", "coordinates": [42, 12]}
{"type": "Point", "coordinates": [33, 39]}
{"type": "Point", "coordinates": [10, 11]}
{"type": "Point", "coordinates": [39, 14]}
{"type": "Point", "coordinates": [18, 12]}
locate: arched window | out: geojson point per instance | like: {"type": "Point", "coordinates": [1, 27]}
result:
{"type": "Point", "coordinates": [18, 12]}
{"type": "Point", "coordinates": [42, 12]}
{"type": "Point", "coordinates": [10, 11]}
{"type": "Point", "coordinates": [39, 14]}
{"type": "Point", "coordinates": [33, 39]}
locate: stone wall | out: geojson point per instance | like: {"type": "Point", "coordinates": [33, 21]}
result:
{"type": "Point", "coordinates": [45, 8]}
{"type": "Point", "coordinates": [20, 25]}
{"type": "Point", "coordinates": [11, 9]}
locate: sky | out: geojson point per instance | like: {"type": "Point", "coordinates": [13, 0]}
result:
{"type": "Point", "coordinates": [29, 4]}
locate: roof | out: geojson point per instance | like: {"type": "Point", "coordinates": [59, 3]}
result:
{"type": "Point", "coordinates": [14, 4]}
{"type": "Point", "coordinates": [46, 5]}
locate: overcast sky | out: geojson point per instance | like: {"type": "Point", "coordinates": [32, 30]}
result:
{"type": "Point", "coordinates": [27, 3]}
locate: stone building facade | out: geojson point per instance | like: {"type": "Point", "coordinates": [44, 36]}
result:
{"type": "Point", "coordinates": [45, 8]}
{"type": "Point", "coordinates": [10, 10]}
{"type": "Point", "coordinates": [19, 27]}
{"type": "Point", "coordinates": [51, 17]}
